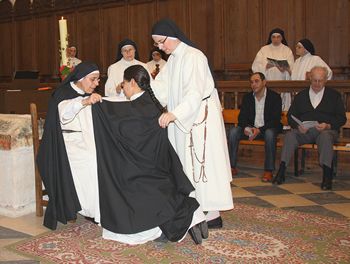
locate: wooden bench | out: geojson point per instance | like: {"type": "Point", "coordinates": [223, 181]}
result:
{"type": "Point", "coordinates": [231, 119]}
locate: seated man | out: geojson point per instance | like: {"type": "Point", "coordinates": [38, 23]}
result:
{"type": "Point", "coordinates": [259, 118]}
{"type": "Point", "coordinates": [320, 104]}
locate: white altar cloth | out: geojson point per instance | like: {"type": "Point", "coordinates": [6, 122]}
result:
{"type": "Point", "coordinates": [17, 187]}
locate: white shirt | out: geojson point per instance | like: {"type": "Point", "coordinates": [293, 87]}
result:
{"type": "Point", "coordinates": [115, 75]}
{"type": "Point", "coordinates": [305, 63]}
{"type": "Point", "coordinates": [259, 110]}
{"type": "Point", "coordinates": [315, 98]}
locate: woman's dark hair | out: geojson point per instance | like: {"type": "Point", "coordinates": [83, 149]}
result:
{"type": "Point", "coordinates": [262, 76]}
{"type": "Point", "coordinates": [143, 80]}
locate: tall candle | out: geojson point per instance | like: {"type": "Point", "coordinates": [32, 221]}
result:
{"type": "Point", "coordinates": [62, 23]}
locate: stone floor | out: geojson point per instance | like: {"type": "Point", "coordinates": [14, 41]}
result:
{"type": "Point", "coordinates": [301, 193]}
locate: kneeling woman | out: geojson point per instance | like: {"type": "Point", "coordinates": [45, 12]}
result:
{"type": "Point", "coordinates": [143, 189]}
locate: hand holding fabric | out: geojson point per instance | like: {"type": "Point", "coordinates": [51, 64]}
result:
{"type": "Point", "coordinates": [166, 118]}
{"type": "Point", "coordinates": [92, 99]}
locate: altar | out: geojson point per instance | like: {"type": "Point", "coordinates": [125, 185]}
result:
{"type": "Point", "coordinates": [17, 188]}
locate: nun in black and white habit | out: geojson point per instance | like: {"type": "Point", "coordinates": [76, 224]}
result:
{"type": "Point", "coordinates": [112, 162]}
{"type": "Point", "coordinates": [67, 153]}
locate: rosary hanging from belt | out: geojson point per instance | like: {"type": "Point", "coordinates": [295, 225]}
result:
{"type": "Point", "coordinates": [194, 154]}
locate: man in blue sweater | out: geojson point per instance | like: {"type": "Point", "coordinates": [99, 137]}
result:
{"type": "Point", "coordinates": [320, 104]}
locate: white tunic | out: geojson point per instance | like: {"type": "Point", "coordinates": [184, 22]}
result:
{"type": "Point", "coordinates": [305, 63]}
{"type": "Point", "coordinates": [115, 75]}
{"type": "Point", "coordinates": [182, 84]}
{"type": "Point", "coordinates": [81, 152]}
{"type": "Point", "coordinates": [151, 65]}
{"type": "Point", "coordinates": [280, 52]}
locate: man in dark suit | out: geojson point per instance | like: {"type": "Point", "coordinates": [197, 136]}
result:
{"type": "Point", "coordinates": [320, 104]}
{"type": "Point", "coordinates": [259, 118]}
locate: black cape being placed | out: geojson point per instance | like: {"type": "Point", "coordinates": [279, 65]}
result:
{"type": "Point", "coordinates": [53, 164]}
{"type": "Point", "coordinates": [141, 181]}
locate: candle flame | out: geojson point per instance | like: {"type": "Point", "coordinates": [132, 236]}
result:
{"type": "Point", "coordinates": [62, 18]}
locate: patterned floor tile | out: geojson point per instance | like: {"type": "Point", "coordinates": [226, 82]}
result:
{"type": "Point", "coordinates": [253, 201]}
{"type": "Point", "coordinates": [249, 182]}
{"type": "Point", "coordinates": [343, 193]}
{"type": "Point", "coordinates": [266, 190]}
{"type": "Point", "coordinates": [343, 208]}
{"type": "Point", "coordinates": [315, 209]}
{"type": "Point", "coordinates": [240, 192]}
{"type": "Point", "coordinates": [326, 198]}
{"type": "Point", "coordinates": [299, 188]}
{"type": "Point", "coordinates": [287, 200]}
{"type": "Point", "coordinates": [6, 233]}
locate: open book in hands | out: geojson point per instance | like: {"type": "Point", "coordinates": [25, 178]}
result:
{"type": "Point", "coordinates": [278, 63]}
{"type": "Point", "coordinates": [305, 124]}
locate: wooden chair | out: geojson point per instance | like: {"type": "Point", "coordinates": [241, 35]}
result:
{"type": "Point", "coordinates": [40, 191]}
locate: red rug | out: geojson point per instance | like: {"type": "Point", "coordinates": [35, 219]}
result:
{"type": "Point", "coordinates": [250, 235]}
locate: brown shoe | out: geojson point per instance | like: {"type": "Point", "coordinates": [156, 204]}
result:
{"type": "Point", "coordinates": [234, 171]}
{"type": "Point", "coordinates": [267, 176]}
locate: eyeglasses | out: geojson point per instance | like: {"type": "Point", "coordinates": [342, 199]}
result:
{"type": "Point", "coordinates": [156, 44]}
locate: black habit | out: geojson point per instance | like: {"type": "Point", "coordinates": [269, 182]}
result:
{"type": "Point", "coordinates": [141, 181]}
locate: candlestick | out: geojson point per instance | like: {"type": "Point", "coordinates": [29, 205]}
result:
{"type": "Point", "coordinates": [62, 23]}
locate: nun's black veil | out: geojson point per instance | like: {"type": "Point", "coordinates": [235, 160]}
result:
{"type": "Point", "coordinates": [123, 43]}
{"type": "Point", "coordinates": [279, 31]}
{"type": "Point", "coordinates": [167, 27]}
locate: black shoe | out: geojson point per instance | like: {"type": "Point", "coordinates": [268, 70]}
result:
{"type": "Point", "coordinates": [203, 227]}
{"type": "Point", "coordinates": [196, 235]}
{"type": "Point", "coordinates": [91, 220]}
{"type": "Point", "coordinates": [215, 223]}
{"type": "Point", "coordinates": [280, 176]}
{"type": "Point", "coordinates": [161, 239]}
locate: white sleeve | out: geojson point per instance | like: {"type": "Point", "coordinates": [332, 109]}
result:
{"type": "Point", "coordinates": [110, 86]}
{"type": "Point", "coordinates": [68, 109]}
{"type": "Point", "coordinates": [259, 63]}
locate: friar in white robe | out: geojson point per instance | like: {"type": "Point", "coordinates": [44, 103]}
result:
{"type": "Point", "coordinates": [276, 48]}
{"type": "Point", "coordinates": [307, 60]}
{"type": "Point", "coordinates": [127, 55]}
{"type": "Point", "coordinates": [195, 124]}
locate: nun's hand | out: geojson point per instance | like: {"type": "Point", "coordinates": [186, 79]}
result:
{"type": "Point", "coordinates": [166, 118]}
{"type": "Point", "coordinates": [92, 99]}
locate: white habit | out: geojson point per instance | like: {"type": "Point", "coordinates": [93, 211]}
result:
{"type": "Point", "coordinates": [182, 85]}
{"type": "Point", "coordinates": [81, 151]}
{"type": "Point", "coordinates": [115, 75]}
{"type": "Point", "coordinates": [151, 65]}
{"type": "Point", "coordinates": [280, 52]}
{"type": "Point", "coordinates": [305, 63]}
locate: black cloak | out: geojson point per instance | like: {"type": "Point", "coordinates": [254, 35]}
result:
{"type": "Point", "coordinates": [122, 44]}
{"type": "Point", "coordinates": [141, 181]}
{"type": "Point", "coordinates": [279, 31]}
{"type": "Point", "coordinates": [52, 159]}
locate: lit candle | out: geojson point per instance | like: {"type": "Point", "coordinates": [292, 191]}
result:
{"type": "Point", "coordinates": [62, 23]}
